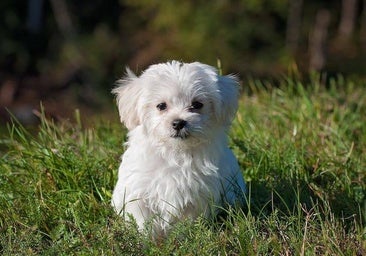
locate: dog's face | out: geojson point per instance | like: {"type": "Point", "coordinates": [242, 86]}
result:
{"type": "Point", "coordinates": [176, 102]}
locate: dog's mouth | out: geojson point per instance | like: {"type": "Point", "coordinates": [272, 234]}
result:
{"type": "Point", "coordinates": [182, 134]}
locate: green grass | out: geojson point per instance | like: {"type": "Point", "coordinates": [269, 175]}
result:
{"type": "Point", "coordinates": [301, 148]}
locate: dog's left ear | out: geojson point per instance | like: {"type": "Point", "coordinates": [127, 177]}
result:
{"type": "Point", "coordinates": [228, 88]}
{"type": "Point", "coordinates": [226, 95]}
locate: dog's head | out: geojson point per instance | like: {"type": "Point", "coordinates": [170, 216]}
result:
{"type": "Point", "coordinates": [177, 101]}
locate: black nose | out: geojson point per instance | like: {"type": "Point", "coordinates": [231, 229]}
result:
{"type": "Point", "coordinates": [178, 124]}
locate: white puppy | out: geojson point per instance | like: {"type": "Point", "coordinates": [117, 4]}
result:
{"type": "Point", "coordinates": [177, 164]}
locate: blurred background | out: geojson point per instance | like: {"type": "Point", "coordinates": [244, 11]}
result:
{"type": "Point", "coordinates": [67, 54]}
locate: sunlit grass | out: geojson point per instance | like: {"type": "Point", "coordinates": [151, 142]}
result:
{"type": "Point", "coordinates": [301, 147]}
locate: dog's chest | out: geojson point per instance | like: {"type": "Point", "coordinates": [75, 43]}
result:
{"type": "Point", "coordinates": [178, 190]}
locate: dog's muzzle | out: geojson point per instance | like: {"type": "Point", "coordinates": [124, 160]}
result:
{"type": "Point", "coordinates": [179, 126]}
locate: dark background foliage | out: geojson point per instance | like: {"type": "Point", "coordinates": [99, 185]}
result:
{"type": "Point", "coordinates": [67, 54]}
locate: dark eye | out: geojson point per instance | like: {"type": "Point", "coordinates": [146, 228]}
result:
{"type": "Point", "coordinates": [196, 105]}
{"type": "Point", "coordinates": [161, 106]}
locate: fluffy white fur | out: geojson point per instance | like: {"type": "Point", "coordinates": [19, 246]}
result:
{"type": "Point", "coordinates": [175, 171]}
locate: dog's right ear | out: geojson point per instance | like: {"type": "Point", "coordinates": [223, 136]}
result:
{"type": "Point", "coordinates": [128, 94]}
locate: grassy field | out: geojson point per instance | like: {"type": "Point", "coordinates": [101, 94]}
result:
{"type": "Point", "coordinates": [302, 149]}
